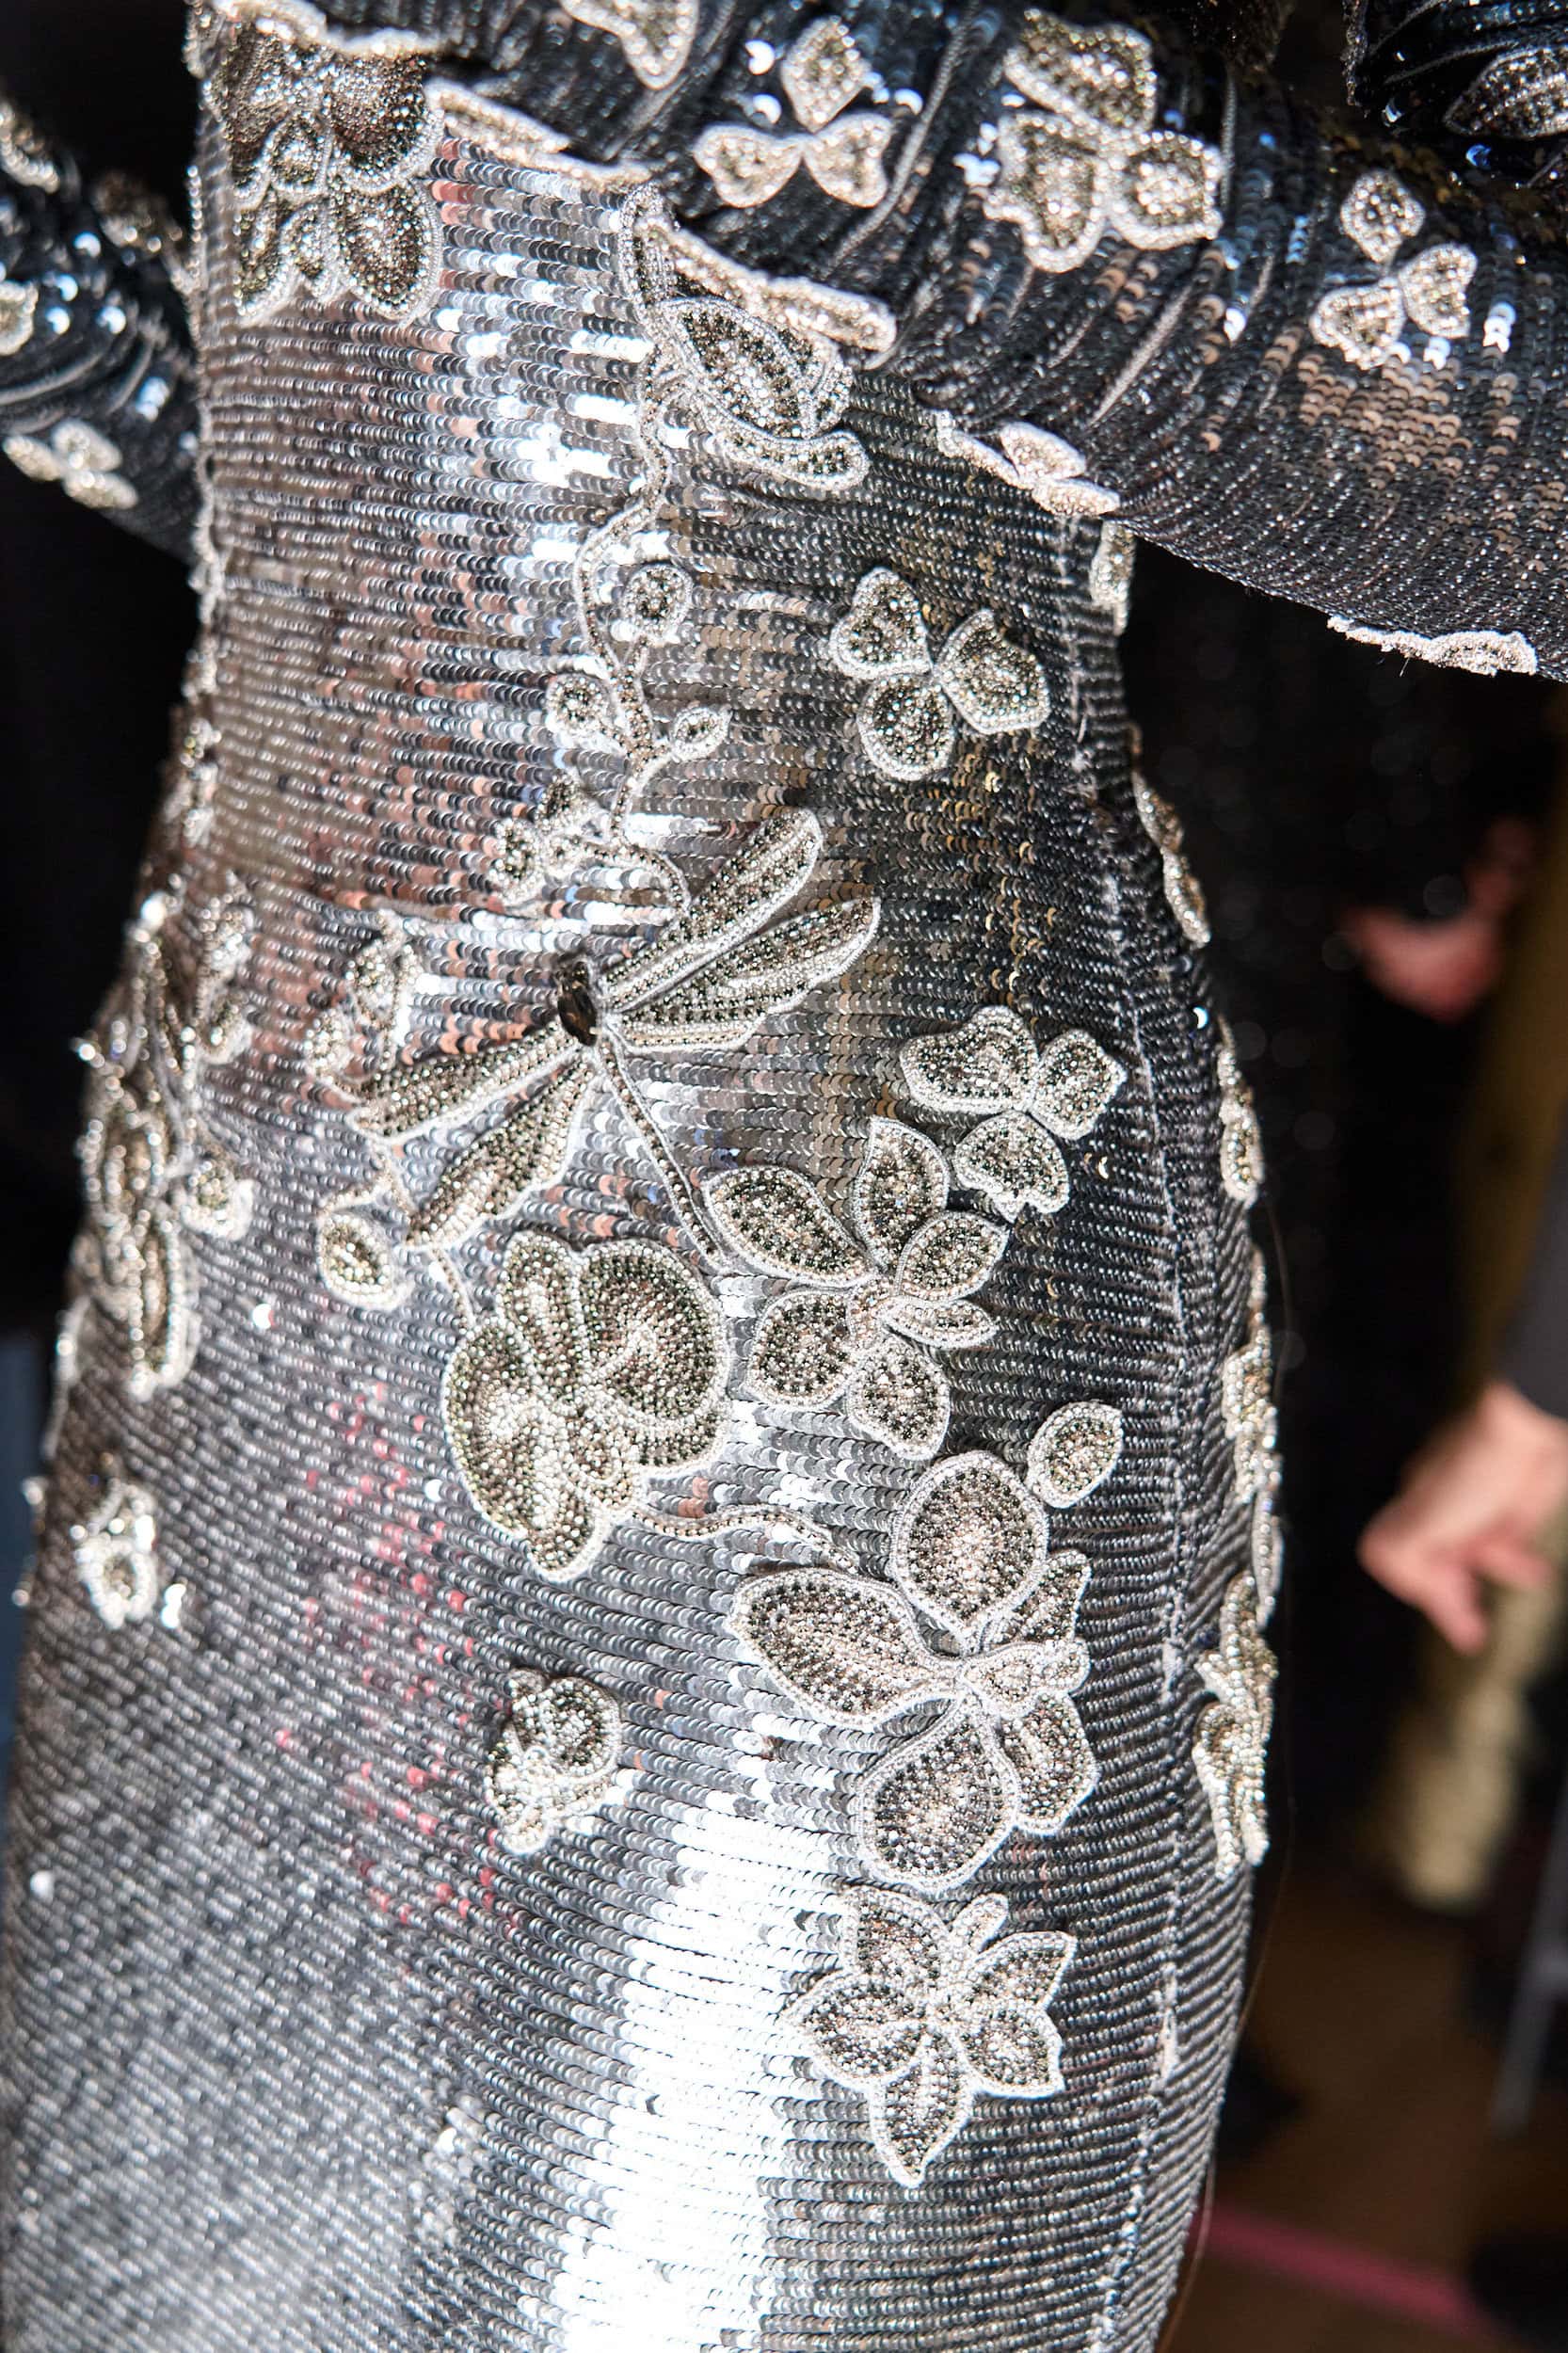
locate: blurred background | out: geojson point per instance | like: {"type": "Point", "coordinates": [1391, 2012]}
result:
{"type": "Point", "coordinates": [1385, 851]}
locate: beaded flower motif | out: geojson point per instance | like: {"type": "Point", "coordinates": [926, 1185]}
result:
{"type": "Point", "coordinates": [1233, 1732]}
{"type": "Point", "coordinates": [1024, 1098]}
{"type": "Point", "coordinates": [880, 1301]}
{"type": "Point", "coordinates": [1252, 1425]}
{"type": "Point", "coordinates": [1051, 471]}
{"type": "Point", "coordinates": [328, 146]}
{"type": "Point", "coordinates": [85, 462]}
{"type": "Point", "coordinates": [922, 2015]}
{"type": "Point", "coordinates": [1002, 1749]}
{"type": "Point", "coordinates": [1183, 890]}
{"type": "Point", "coordinates": [1092, 164]}
{"type": "Point", "coordinates": [600, 1369]}
{"type": "Point", "coordinates": [116, 1549]}
{"type": "Point", "coordinates": [823, 72]}
{"type": "Point", "coordinates": [655, 36]}
{"type": "Point", "coordinates": [1365, 322]}
{"type": "Point", "coordinates": [556, 1760]}
{"type": "Point", "coordinates": [905, 717]}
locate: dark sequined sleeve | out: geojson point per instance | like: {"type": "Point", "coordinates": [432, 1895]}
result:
{"type": "Point", "coordinates": [97, 376]}
{"type": "Point", "coordinates": [1484, 82]}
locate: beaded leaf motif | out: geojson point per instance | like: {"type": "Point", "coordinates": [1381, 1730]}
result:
{"type": "Point", "coordinates": [1183, 890]}
{"type": "Point", "coordinates": [556, 1761]}
{"type": "Point", "coordinates": [1522, 94]}
{"type": "Point", "coordinates": [1092, 164]}
{"type": "Point", "coordinates": [922, 2015]}
{"type": "Point", "coordinates": [907, 715]}
{"type": "Point", "coordinates": [116, 1549]}
{"type": "Point", "coordinates": [1024, 1098]}
{"type": "Point", "coordinates": [85, 462]}
{"type": "Point", "coordinates": [655, 36]}
{"type": "Point", "coordinates": [599, 1369]}
{"type": "Point", "coordinates": [823, 72]}
{"type": "Point", "coordinates": [1054, 474]}
{"type": "Point", "coordinates": [329, 143]}
{"type": "Point", "coordinates": [882, 1301]}
{"type": "Point", "coordinates": [702, 984]}
{"type": "Point", "coordinates": [1232, 1741]}
{"type": "Point", "coordinates": [1486, 652]}
{"type": "Point", "coordinates": [1365, 322]}
{"type": "Point", "coordinates": [154, 1176]}
{"type": "Point", "coordinates": [1003, 1748]}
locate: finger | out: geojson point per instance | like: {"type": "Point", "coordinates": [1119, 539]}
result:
{"type": "Point", "coordinates": [1508, 1561]}
{"type": "Point", "coordinates": [1452, 1602]}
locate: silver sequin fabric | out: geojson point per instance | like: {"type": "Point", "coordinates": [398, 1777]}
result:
{"type": "Point", "coordinates": [356, 1999]}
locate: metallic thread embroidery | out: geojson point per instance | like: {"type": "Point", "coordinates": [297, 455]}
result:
{"type": "Point", "coordinates": [1522, 94]}
{"type": "Point", "coordinates": [905, 715]}
{"type": "Point", "coordinates": [655, 36]}
{"type": "Point", "coordinates": [1240, 1144]}
{"type": "Point", "coordinates": [556, 1761]}
{"type": "Point", "coordinates": [1052, 473]}
{"type": "Point", "coordinates": [1487, 651]}
{"type": "Point", "coordinates": [329, 142]}
{"type": "Point", "coordinates": [1092, 163]}
{"type": "Point", "coordinates": [116, 1550]}
{"type": "Point", "coordinates": [1365, 322]}
{"type": "Point", "coordinates": [82, 460]}
{"type": "Point", "coordinates": [1111, 574]}
{"type": "Point", "coordinates": [822, 72]}
{"type": "Point", "coordinates": [703, 984]}
{"type": "Point", "coordinates": [1183, 890]}
{"type": "Point", "coordinates": [600, 1369]}
{"type": "Point", "coordinates": [924, 2014]}
{"type": "Point", "coordinates": [1002, 1749]}
{"type": "Point", "coordinates": [154, 1175]}
{"type": "Point", "coordinates": [991, 1070]}
{"type": "Point", "coordinates": [878, 1306]}
{"type": "Point", "coordinates": [1232, 1740]}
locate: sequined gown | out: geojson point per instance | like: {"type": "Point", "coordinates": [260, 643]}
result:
{"type": "Point", "coordinates": [645, 1696]}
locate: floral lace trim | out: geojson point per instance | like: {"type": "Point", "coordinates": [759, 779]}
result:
{"type": "Point", "coordinates": [1365, 322]}
{"type": "Point", "coordinates": [1092, 164]}
{"type": "Point", "coordinates": [906, 717]}
{"type": "Point", "coordinates": [1487, 651]}
{"type": "Point", "coordinates": [922, 2015]}
{"type": "Point", "coordinates": [823, 73]}
{"type": "Point", "coordinates": [154, 1176]}
{"type": "Point", "coordinates": [557, 1761]}
{"type": "Point", "coordinates": [1183, 890]}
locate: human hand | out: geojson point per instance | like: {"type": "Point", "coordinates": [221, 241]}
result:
{"type": "Point", "coordinates": [1472, 1509]}
{"type": "Point", "coordinates": [1443, 968]}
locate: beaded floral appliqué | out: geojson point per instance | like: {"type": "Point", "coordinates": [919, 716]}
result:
{"type": "Point", "coordinates": [655, 36]}
{"type": "Point", "coordinates": [1240, 1144]}
{"type": "Point", "coordinates": [907, 715]}
{"type": "Point", "coordinates": [1002, 1749]}
{"type": "Point", "coordinates": [1252, 1425]}
{"type": "Point", "coordinates": [600, 1369]}
{"type": "Point", "coordinates": [1092, 164]}
{"type": "Point", "coordinates": [329, 142]}
{"type": "Point", "coordinates": [82, 460]}
{"type": "Point", "coordinates": [18, 313]}
{"type": "Point", "coordinates": [880, 1306]}
{"type": "Point", "coordinates": [1111, 574]}
{"type": "Point", "coordinates": [1365, 322]}
{"type": "Point", "coordinates": [1183, 890]}
{"type": "Point", "coordinates": [823, 73]}
{"type": "Point", "coordinates": [154, 1175]}
{"type": "Point", "coordinates": [117, 1551]}
{"type": "Point", "coordinates": [1054, 474]}
{"type": "Point", "coordinates": [1232, 1740]}
{"type": "Point", "coordinates": [922, 2015]}
{"type": "Point", "coordinates": [1522, 94]}
{"type": "Point", "coordinates": [25, 152]}
{"type": "Point", "coordinates": [1489, 653]}
{"type": "Point", "coordinates": [1023, 1097]}
{"type": "Point", "coordinates": [557, 1760]}
{"type": "Point", "coordinates": [702, 984]}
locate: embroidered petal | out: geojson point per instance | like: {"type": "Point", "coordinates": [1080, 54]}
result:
{"type": "Point", "coordinates": [848, 1650]}
{"type": "Point", "coordinates": [897, 1940]}
{"type": "Point", "coordinates": [858, 2030]}
{"type": "Point", "coordinates": [578, 710]}
{"type": "Point", "coordinates": [1049, 1613]}
{"type": "Point", "coordinates": [721, 1004]}
{"type": "Point", "coordinates": [989, 1065]}
{"type": "Point", "coordinates": [930, 1814]}
{"type": "Point", "coordinates": [1104, 74]}
{"type": "Point", "coordinates": [1167, 193]}
{"type": "Point", "coordinates": [747, 168]}
{"type": "Point", "coordinates": [883, 635]}
{"type": "Point", "coordinates": [510, 1457]}
{"type": "Point", "coordinates": [358, 1259]}
{"type": "Point", "coordinates": [778, 1221]}
{"type": "Point", "coordinates": [1364, 323]}
{"type": "Point", "coordinates": [845, 160]}
{"type": "Point", "coordinates": [914, 2117]}
{"type": "Point", "coordinates": [938, 1323]}
{"type": "Point", "coordinates": [898, 1395]}
{"type": "Point", "coordinates": [1522, 94]}
{"type": "Point", "coordinates": [1053, 473]}
{"type": "Point", "coordinates": [491, 1177]}
{"type": "Point", "coordinates": [1049, 1752]}
{"type": "Point", "coordinates": [950, 1257]}
{"type": "Point", "coordinates": [18, 310]}
{"type": "Point", "coordinates": [381, 116]}
{"type": "Point", "coordinates": [536, 1299]}
{"type": "Point", "coordinates": [655, 35]}
{"type": "Point", "coordinates": [1435, 285]}
{"type": "Point", "coordinates": [1050, 186]}
{"type": "Point", "coordinates": [417, 1096]}
{"type": "Point", "coordinates": [1380, 214]}
{"type": "Point", "coordinates": [1073, 1452]}
{"type": "Point", "coordinates": [804, 1350]}
{"type": "Point", "coordinates": [1078, 1079]}
{"type": "Point", "coordinates": [656, 1343]}
{"type": "Point", "coordinates": [160, 1327]}
{"type": "Point", "coordinates": [997, 687]}
{"type": "Point", "coordinates": [906, 730]}
{"type": "Point", "coordinates": [969, 1540]}
{"type": "Point", "coordinates": [1016, 1163]}
{"type": "Point", "coordinates": [1111, 574]}
{"type": "Point", "coordinates": [821, 71]}
{"type": "Point", "coordinates": [555, 1759]}
{"type": "Point", "coordinates": [1233, 1732]}
{"type": "Point", "coordinates": [1025, 1969]}
{"type": "Point", "coordinates": [902, 1181]}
